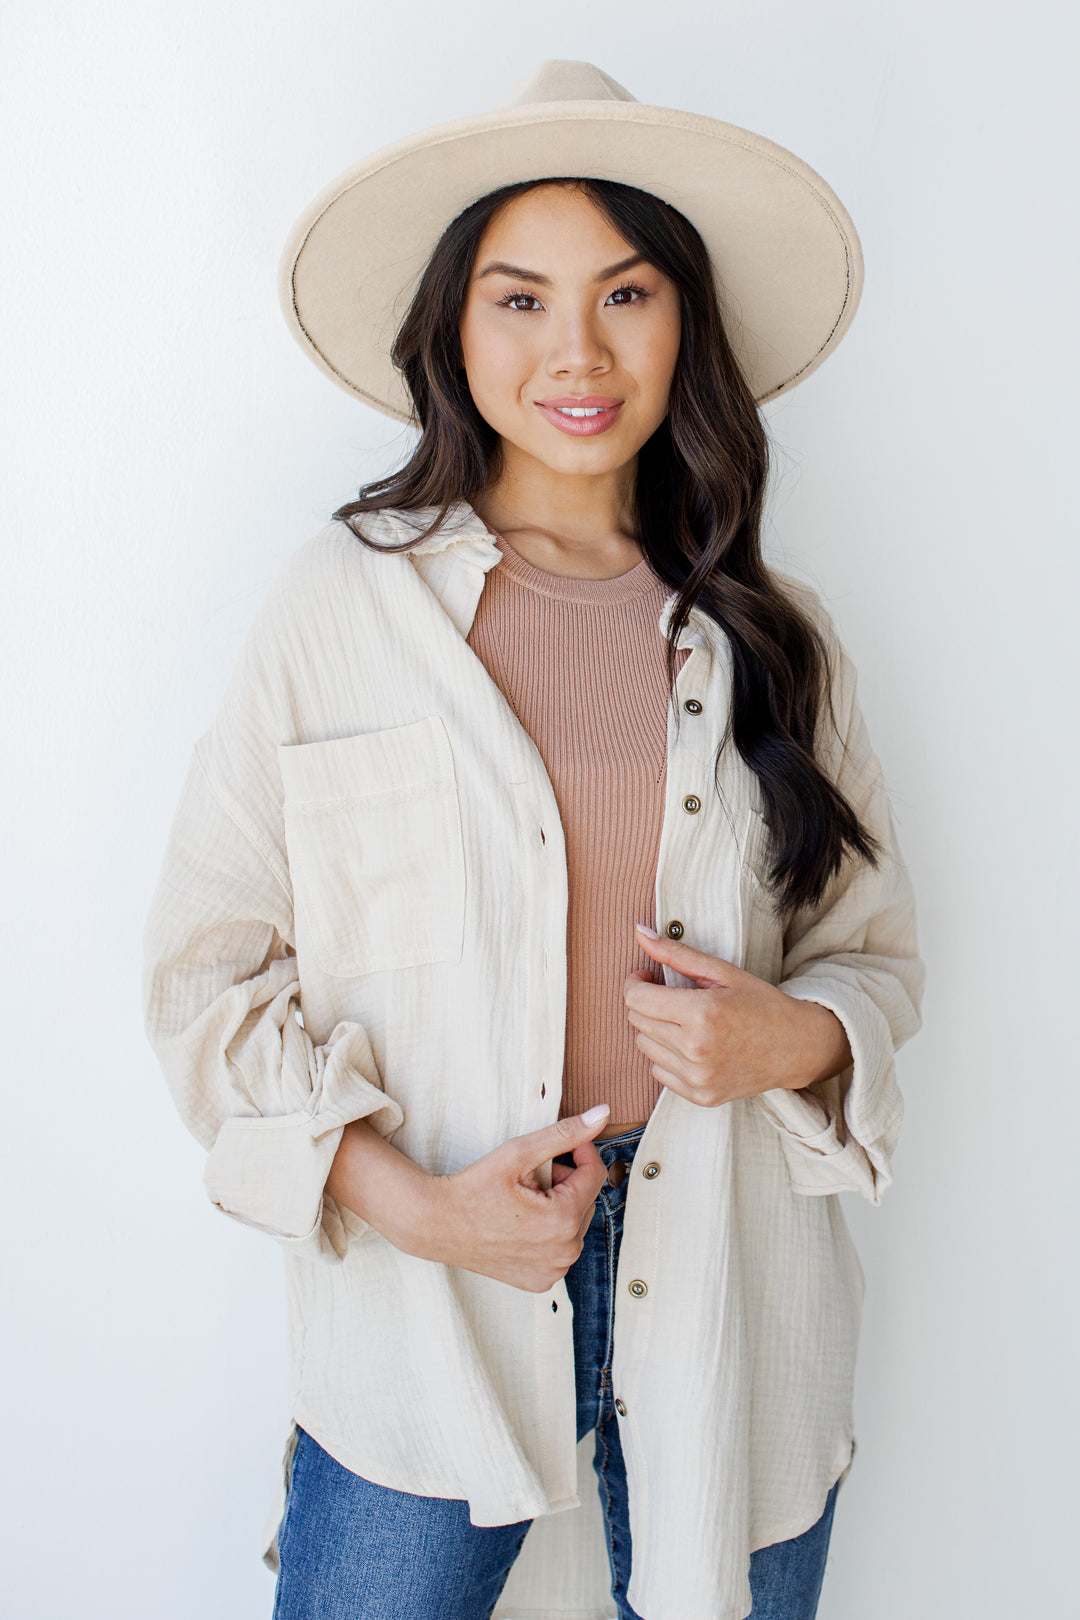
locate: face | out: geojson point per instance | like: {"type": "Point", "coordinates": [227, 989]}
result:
{"type": "Point", "coordinates": [563, 316]}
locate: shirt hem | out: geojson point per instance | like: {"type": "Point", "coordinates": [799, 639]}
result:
{"type": "Point", "coordinates": [799, 1526]}
{"type": "Point", "coordinates": [376, 1474]}
{"type": "Point", "coordinates": [533, 1613]}
{"type": "Point", "coordinates": [372, 1471]}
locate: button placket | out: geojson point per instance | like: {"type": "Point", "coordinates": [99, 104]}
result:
{"type": "Point", "coordinates": [682, 747]}
{"type": "Point", "coordinates": [637, 1285]}
{"type": "Point", "coordinates": [692, 805]}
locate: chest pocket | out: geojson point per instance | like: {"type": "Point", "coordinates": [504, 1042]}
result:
{"type": "Point", "coordinates": [373, 829]}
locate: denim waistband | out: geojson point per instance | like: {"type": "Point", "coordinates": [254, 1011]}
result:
{"type": "Point", "coordinates": [610, 1147]}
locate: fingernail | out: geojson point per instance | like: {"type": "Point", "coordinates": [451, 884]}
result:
{"type": "Point", "coordinates": [594, 1115]}
{"type": "Point", "coordinates": [643, 928]}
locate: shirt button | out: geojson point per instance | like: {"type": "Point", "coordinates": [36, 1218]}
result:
{"type": "Point", "coordinates": [638, 1288]}
{"type": "Point", "coordinates": [651, 1171]}
{"type": "Point", "coordinates": [620, 1407]}
{"type": "Point", "coordinates": [692, 706]}
{"type": "Point", "coordinates": [691, 804]}
{"type": "Point", "coordinates": [674, 930]}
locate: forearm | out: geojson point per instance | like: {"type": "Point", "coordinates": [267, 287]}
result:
{"type": "Point", "coordinates": [382, 1186]}
{"type": "Point", "coordinates": [823, 1048]}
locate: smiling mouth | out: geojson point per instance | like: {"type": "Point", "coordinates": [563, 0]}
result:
{"type": "Point", "coordinates": [582, 420]}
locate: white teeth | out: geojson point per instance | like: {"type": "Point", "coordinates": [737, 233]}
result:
{"type": "Point", "coordinates": [574, 410]}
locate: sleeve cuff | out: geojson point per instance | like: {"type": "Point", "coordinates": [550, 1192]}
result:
{"type": "Point", "coordinates": [269, 1172]}
{"type": "Point", "coordinates": [838, 1135]}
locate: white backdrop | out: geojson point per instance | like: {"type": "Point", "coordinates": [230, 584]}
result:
{"type": "Point", "coordinates": [168, 446]}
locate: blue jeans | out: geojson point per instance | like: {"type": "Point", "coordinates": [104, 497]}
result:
{"type": "Point", "coordinates": [351, 1550]}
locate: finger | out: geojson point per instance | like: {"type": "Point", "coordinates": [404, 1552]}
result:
{"type": "Point", "coordinates": [661, 1056]}
{"type": "Point", "coordinates": [673, 1082]}
{"type": "Point", "coordinates": [585, 1177]}
{"type": "Point", "coordinates": [670, 1004]}
{"type": "Point", "coordinates": [586, 1221]}
{"type": "Point", "coordinates": [688, 960]}
{"type": "Point", "coordinates": [564, 1135]}
{"type": "Point", "coordinates": [660, 1030]}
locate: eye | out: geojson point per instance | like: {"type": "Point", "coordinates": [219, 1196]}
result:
{"type": "Point", "coordinates": [628, 293]}
{"type": "Point", "coordinates": [517, 300]}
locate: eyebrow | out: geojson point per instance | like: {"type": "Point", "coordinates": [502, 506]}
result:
{"type": "Point", "coordinates": [500, 268]}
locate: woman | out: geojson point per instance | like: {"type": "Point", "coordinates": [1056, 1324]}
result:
{"type": "Point", "coordinates": [532, 944]}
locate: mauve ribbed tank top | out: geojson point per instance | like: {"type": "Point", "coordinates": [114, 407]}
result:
{"type": "Point", "coordinates": [581, 662]}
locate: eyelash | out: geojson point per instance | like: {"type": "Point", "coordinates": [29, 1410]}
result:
{"type": "Point", "coordinates": [507, 300]}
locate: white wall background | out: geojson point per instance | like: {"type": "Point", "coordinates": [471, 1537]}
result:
{"type": "Point", "coordinates": [167, 446]}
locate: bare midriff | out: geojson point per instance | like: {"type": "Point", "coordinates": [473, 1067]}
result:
{"type": "Point", "coordinates": [619, 1130]}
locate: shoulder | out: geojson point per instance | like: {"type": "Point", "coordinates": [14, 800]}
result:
{"type": "Point", "coordinates": [841, 674]}
{"type": "Point", "coordinates": [331, 574]}
{"type": "Point", "coordinates": [337, 553]}
{"type": "Point", "coordinates": [809, 600]}
{"type": "Point", "coordinates": [311, 616]}
{"type": "Point", "coordinates": [812, 604]}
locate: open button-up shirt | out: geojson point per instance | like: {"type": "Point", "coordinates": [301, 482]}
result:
{"type": "Point", "coordinates": [362, 914]}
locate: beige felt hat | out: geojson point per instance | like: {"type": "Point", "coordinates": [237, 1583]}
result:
{"type": "Point", "coordinates": [786, 256]}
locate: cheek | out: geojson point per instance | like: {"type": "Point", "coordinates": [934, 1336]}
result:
{"type": "Point", "coordinates": [659, 360]}
{"type": "Point", "coordinates": [497, 359]}
{"type": "Point", "coordinates": [652, 358]}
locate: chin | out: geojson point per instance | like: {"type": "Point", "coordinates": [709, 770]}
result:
{"type": "Point", "coordinates": [576, 457]}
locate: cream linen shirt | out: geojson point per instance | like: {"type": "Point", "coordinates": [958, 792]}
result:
{"type": "Point", "coordinates": [362, 914]}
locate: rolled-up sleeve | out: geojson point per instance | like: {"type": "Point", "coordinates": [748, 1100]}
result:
{"type": "Point", "coordinates": [855, 953]}
{"type": "Point", "coordinates": [221, 1001]}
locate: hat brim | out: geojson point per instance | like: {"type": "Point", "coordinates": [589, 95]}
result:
{"type": "Point", "coordinates": [786, 256]}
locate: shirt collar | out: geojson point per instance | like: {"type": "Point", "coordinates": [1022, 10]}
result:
{"type": "Point", "coordinates": [465, 529]}
{"type": "Point", "coordinates": [698, 631]}
{"type": "Point", "coordinates": [462, 527]}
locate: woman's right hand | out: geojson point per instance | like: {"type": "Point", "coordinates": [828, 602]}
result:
{"type": "Point", "coordinates": [494, 1217]}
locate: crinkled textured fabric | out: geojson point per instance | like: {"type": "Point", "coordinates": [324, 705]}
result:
{"type": "Point", "coordinates": [362, 913]}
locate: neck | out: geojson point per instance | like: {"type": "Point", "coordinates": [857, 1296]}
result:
{"type": "Point", "coordinates": [565, 524]}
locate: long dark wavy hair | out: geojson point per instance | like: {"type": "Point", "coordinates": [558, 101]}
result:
{"type": "Point", "coordinates": [697, 507]}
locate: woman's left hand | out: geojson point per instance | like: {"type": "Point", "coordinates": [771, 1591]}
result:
{"type": "Point", "coordinates": [734, 1035]}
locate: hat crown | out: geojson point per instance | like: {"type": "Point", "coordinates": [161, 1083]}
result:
{"type": "Point", "coordinates": [563, 81]}
{"type": "Point", "coordinates": [785, 256]}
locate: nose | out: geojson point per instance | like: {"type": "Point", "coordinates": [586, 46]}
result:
{"type": "Point", "coordinates": [577, 349]}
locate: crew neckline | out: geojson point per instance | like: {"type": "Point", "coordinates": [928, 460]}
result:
{"type": "Point", "coordinates": [637, 581]}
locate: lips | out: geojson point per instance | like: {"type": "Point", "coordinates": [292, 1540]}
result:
{"type": "Point", "coordinates": [581, 416]}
